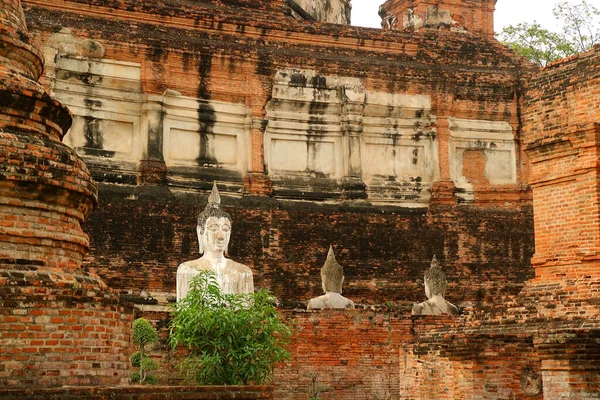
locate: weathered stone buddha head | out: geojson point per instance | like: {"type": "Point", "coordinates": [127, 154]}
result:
{"type": "Point", "coordinates": [332, 274]}
{"type": "Point", "coordinates": [214, 225]}
{"type": "Point", "coordinates": [435, 280]}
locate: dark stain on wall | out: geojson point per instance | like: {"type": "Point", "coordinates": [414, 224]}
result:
{"type": "Point", "coordinates": [206, 113]}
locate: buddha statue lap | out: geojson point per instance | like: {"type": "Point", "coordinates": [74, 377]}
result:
{"type": "Point", "coordinates": [332, 279]}
{"type": "Point", "coordinates": [214, 231]}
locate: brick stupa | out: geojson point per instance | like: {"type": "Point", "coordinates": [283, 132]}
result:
{"type": "Point", "coordinates": [58, 324]}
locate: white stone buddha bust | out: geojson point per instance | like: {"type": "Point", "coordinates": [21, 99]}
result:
{"type": "Point", "coordinates": [332, 279]}
{"type": "Point", "coordinates": [214, 230]}
{"type": "Point", "coordinates": [435, 289]}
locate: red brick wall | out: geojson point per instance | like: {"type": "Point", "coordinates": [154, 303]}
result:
{"type": "Point", "coordinates": [561, 137]}
{"type": "Point", "coordinates": [58, 324]}
{"type": "Point", "coordinates": [361, 363]}
{"type": "Point", "coordinates": [474, 167]}
{"type": "Point", "coordinates": [384, 353]}
{"type": "Point", "coordinates": [60, 329]}
{"type": "Point", "coordinates": [561, 131]}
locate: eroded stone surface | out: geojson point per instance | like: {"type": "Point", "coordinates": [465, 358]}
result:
{"type": "Point", "coordinates": [331, 11]}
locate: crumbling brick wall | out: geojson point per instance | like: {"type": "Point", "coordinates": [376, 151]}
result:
{"type": "Point", "coordinates": [138, 244]}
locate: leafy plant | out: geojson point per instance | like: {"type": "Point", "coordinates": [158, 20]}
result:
{"type": "Point", "coordinates": [232, 339]}
{"type": "Point", "coordinates": [537, 44]}
{"type": "Point", "coordinates": [581, 30]}
{"type": "Point", "coordinates": [143, 334]}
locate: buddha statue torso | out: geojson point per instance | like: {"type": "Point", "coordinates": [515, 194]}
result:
{"type": "Point", "coordinates": [330, 300]}
{"type": "Point", "coordinates": [233, 277]}
{"type": "Point", "coordinates": [214, 230]}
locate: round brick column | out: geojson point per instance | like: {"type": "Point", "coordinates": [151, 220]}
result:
{"type": "Point", "coordinates": [58, 324]}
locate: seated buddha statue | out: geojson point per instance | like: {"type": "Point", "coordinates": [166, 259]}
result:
{"type": "Point", "coordinates": [332, 279]}
{"type": "Point", "coordinates": [435, 289]}
{"type": "Point", "coordinates": [214, 230]}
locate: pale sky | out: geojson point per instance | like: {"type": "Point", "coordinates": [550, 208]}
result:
{"type": "Point", "coordinates": [508, 12]}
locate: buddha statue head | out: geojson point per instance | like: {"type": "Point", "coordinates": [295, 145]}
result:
{"type": "Point", "coordinates": [435, 280]}
{"type": "Point", "coordinates": [332, 274]}
{"type": "Point", "coordinates": [214, 226]}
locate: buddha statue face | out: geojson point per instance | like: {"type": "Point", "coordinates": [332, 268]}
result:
{"type": "Point", "coordinates": [214, 238]}
{"type": "Point", "coordinates": [214, 226]}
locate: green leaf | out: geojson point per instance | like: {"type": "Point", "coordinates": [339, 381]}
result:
{"type": "Point", "coordinates": [233, 339]}
{"type": "Point", "coordinates": [581, 30]}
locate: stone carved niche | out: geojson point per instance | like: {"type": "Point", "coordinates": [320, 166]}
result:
{"type": "Point", "coordinates": [481, 152]}
{"type": "Point", "coordinates": [116, 125]}
{"type": "Point", "coordinates": [326, 136]}
{"type": "Point", "coordinates": [303, 139]}
{"type": "Point", "coordinates": [104, 97]}
{"type": "Point", "coordinates": [205, 140]}
{"type": "Point", "coordinates": [399, 148]}
{"type": "Point", "coordinates": [531, 381]}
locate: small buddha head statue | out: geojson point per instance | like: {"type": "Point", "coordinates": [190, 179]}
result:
{"type": "Point", "coordinates": [214, 225]}
{"type": "Point", "coordinates": [332, 274]}
{"type": "Point", "coordinates": [435, 280]}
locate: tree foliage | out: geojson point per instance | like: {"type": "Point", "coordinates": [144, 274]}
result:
{"type": "Point", "coordinates": [232, 339]}
{"type": "Point", "coordinates": [581, 30]}
{"type": "Point", "coordinates": [143, 334]}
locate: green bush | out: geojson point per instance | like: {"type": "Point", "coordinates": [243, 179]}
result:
{"type": "Point", "coordinates": [232, 339]}
{"type": "Point", "coordinates": [151, 380]}
{"type": "Point", "coordinates": [143, 334]}
{"type": "Point", "coordinates": [135, 359]}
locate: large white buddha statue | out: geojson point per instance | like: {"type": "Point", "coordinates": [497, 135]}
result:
{"type": "Point", "coordinates": [435, 289]}
{"type": "Point", "coordinates": [332, 279]}
{"type": "Point", "coordinates": [214, 230]}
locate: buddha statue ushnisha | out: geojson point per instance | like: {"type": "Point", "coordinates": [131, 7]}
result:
{"type": "Point", "coordinates": [332, 279]}
{"type": "Point", "coordinates": [435, 289]}
{"type": "Point", "coordinates": [214, 230]}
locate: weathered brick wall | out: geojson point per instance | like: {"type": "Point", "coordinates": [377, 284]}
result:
{"type": "Point", "coordinates": [384, 353]}
{"type": "Point", "coordinates": [58, 324]}
{"type": "Point", "coordinates": [475, 16]}
{"type": "Point", "coordinates": [561, 124]}
{"type": "Point", "coordinates": [142, 392]}
{"type": "Point", "coordinates": [230, 51]}
{"type": "Point", "coordinates": [362, 363]}
{"type": "Point", "coordinates": [138, 243]}
{"type": "Point", "coordinates": [60, 329]}
{"type": "Point", "coordinates": [234, 59]}
{"type": "Point", "coordinates": [140, 238]}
